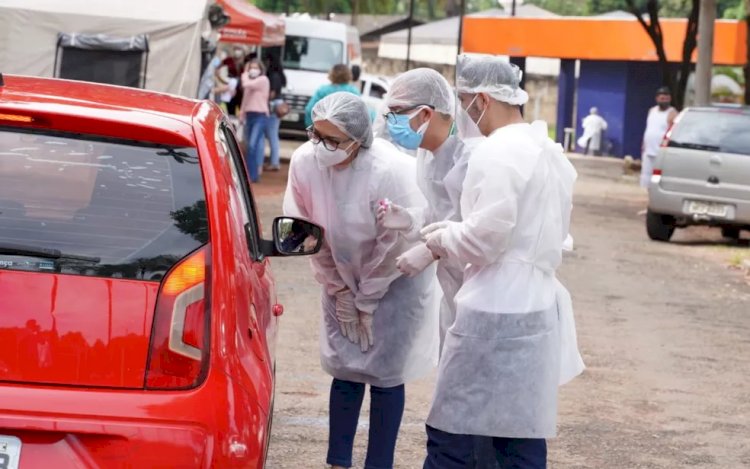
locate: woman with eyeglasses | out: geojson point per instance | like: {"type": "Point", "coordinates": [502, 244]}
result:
{"type": "Point", "coordinates": [379, 327]}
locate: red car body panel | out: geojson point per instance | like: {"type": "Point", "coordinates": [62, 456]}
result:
{"type": "Point", "coordinates": [83, 403]}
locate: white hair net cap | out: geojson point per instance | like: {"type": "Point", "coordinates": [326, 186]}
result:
{"type": "Point", "coordinates": [477, 73]}
{"type": "Point", "coordinates": [348, 113]}
{"type": "Point", "coordinates": [422, 86]}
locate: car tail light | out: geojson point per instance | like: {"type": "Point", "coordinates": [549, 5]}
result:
{"type": "Point", "coordinates": [657, 172]}
{"type": "Point", "coordinates": [179, 350]}
{"type": "Point", "coordinates": [16, 118]}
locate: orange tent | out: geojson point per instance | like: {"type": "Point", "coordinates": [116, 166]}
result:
{"type": "Point", "coordinates": [249, 24]}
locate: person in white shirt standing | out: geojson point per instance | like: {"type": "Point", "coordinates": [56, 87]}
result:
{"type": "Point", "coordinates": [660, 118]}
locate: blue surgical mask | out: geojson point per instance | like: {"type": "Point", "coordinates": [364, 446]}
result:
{"type": "Point", "coordinates": [402, 133]}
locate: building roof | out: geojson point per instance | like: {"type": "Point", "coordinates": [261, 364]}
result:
{"type": "Point", "coordinates": [366, 24]}
{"type": "Point", "coordinates": [446, 31]}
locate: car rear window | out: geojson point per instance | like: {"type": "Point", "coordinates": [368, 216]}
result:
{"type": "Point", "coordinates": [722, 131]}
{"type": "Point", "coordinates": [109, 208]}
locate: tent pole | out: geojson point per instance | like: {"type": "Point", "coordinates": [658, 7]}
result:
{"type": "Point", "coordinates": [408, 38]}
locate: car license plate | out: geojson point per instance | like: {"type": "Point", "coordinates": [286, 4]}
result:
{"type": "Point", "coordinates": [10, 452]}
{"type": "Point", "coordinates": [708, 208]}
{"type": "Point", "coordinates": [291, 117]}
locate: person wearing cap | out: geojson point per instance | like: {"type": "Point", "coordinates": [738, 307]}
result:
{"type": "Point", "coordinates": [658, 122]}
{"type": "Point", "coordinates": [378, 326]}
{"type": "Point", "coordinates": [421, 107]}
{"type": "Point", "coordinates": [340, 77]}
{"type": "Point", "coordinates": [513, 340]}
{"type": "Point", "coordinates": [594, 126]}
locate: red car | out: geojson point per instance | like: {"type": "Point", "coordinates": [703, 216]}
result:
{"type": "Point", "coordinates": [138, 315]}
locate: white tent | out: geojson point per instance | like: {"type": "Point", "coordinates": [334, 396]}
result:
{"type": "Point", "coordinates": [155, 42]}
{"type": "Point", "coordinates": [436, 42]}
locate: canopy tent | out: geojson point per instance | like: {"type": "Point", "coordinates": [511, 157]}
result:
{"type": "Point", "coordinates": [144, 43]}
{"type": "Point", "coordinates": [248, 24]}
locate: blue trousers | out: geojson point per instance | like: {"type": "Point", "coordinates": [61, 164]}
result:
{"type": "Point", "coordinates": [450, 451]}
{"type": "Point", "coordinates": [272, 135]}
{"type": "Point", "coordinates": [386, 410]}
{"type": "Point", "coordinates": [255, 129]}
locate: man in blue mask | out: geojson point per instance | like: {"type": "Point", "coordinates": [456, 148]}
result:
{"type": "Point", "coordinates": [421, 109]}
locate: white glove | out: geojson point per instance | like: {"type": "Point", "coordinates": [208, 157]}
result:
{"type": "Point", "coordinates": [568, 244]}
{"type": "Point", "coordinates": [433, 237]}
{"type": "Point", "coordinates": [365, 331]}
{"type": "Point", "coordinates": [415, 260]}
{"type": "Point", "coordinates": [346, 315]}
{"type": "Point", "coordinates": [394, 217]}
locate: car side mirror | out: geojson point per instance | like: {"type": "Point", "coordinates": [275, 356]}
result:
{"type": "Point", "coordinates": [295, 237]}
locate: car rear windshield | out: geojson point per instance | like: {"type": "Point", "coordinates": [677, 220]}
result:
{"type": "Point", "coordinates": [721, 131]}
{"type": "Point", "coordinates": [95, 207]}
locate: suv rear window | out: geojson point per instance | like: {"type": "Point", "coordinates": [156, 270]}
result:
{"type": "Point", "coordinates": [97, 207]}
{"type": "Point", "coordinates": [721, 131]}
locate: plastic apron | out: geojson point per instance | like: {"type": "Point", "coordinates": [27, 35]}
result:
{"type": "Point", "coordinates": [344, 203]}
{"type": "Point", "coordinates": [440, 177]}
{"type": "Point", "coordinates": [499, 373]}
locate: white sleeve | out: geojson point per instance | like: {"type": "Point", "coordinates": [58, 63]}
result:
{"type": "Point", "coordinates": [296, 205]}
{"type": "Point", "coordinates": [493, 190]}
{"type": "Point", "coordinates": [380, 269]}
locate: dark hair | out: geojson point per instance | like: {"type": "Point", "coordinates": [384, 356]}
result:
{"type": "Point", "coordinates": [356, 72]}
{"type": "Point", "coordinates": [340, 75]}
{"type": "Point", "coordinates": [275, 66]}
{"type": "Point", "coordinates": [663, 90]}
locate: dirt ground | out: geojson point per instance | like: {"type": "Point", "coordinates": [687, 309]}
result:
{"type": "Point", "coordinates": [664, 330]}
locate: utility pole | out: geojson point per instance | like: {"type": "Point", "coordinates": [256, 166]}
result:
{"type": "Point", "coordinates": [461, 25]}
{"type": "Point", "coordinates": [408, 37]}
{"type": "Point", "coordinates": [706, 21]}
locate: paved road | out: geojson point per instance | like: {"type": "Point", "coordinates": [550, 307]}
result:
{"type": "Point", "coordinates": [664, 330]}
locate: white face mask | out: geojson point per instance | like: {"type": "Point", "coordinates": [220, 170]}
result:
{"type": "Point", "coordinates": [254, 73]}
{"type": "Point", "coordinates": [327, 158]}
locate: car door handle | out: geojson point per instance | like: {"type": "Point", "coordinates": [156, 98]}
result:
{"type": "Point", "coordinates": [713, 180]}
{"type": "Point", "coordinates": [716, 159]}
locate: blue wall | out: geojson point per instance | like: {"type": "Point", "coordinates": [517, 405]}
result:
{"type": "Point", "coordinates": [623, 92]}
{"type": "Point", "coordinates": [643, 80]}
{"type": "Point", "coordinates": [603, 84]}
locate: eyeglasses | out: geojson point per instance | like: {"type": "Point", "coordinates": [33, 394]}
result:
{"type": "Point", "coordinates": [391, 118]}
{"type": "Point", "coordinates": [329, 143]}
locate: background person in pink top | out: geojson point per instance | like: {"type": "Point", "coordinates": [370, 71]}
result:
{"type": "Point", "coordinates": [254, 112]}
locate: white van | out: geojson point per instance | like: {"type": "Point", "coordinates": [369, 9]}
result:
{"type": "Point", "coordinates": [312, 48]}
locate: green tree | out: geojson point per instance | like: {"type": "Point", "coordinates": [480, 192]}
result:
{"type": "Point", "coordinates": [675, 80]}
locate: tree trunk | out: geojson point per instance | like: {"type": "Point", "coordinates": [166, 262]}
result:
{"type": "Point", "coordinates": [452, 8]}
{"type": "Point", "coordinates": [688, 47]}
{"type": "Point", "coordinates": [355, 12]}
{"type": "Point", "coordinates": [653, 29]}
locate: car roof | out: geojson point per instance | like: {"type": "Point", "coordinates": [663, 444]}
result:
{"type": "Point", "coordinates": [127, 108]}
{"type": "Point", "coordinates": [721, 107]}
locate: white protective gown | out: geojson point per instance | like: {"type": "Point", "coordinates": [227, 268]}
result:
{"type": "Point", "coordinates": [501, 363]}
{"type": "Point", "coordinates": [360, 255]}
{"type": "Point", "coordinates": [440, 177]}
